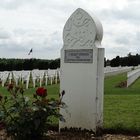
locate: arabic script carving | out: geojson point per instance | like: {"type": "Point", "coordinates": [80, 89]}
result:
{"type": "Point", "coordinates": [79, 31]}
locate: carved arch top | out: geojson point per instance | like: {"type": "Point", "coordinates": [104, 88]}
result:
{"type": "Point", "coordinates": [81, 30]}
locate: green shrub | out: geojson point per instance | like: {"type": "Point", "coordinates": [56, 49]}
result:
{"type": "Point", "coordinates": [28, 119]}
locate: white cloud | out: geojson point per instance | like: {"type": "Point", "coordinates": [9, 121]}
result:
{"type": "Point", "coordinates": [4, 34]}
{"type": "Point", "coordinates": [38, 24]}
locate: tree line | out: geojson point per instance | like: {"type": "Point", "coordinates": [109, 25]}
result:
{"type": "Point", "coordinates": [28, 64]}
{"type": "Point", "coordinates": [129, 60]}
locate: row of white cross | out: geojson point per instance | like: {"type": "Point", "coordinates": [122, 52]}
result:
{"type": "Point", "coordinates": [108, 71]}
{"type": "Point", "coordinates": [133, 73]}
{"type": "Point", "coordinates": [132, 76]}
{"type": "Point", "coordinates": [51, 75]}
{"type": "Point", "coordinates": [3, 77]}
{"type": "Point", "coordinates": [36, 75]}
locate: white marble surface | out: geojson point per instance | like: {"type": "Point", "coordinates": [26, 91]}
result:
{"type": "Point", "coordinates": [83, 82]}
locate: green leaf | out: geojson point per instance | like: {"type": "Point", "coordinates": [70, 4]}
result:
{"type": "Point", "coordinates": [35, 108]}
{"type": "Point", "coordinates": [2, 114]}
{"type": "Point", "coordinates": [26, 99]}
{"type": "Point", "coordinates": [62, 118]}
{"type": "Point", "coordinates": [37, 123]}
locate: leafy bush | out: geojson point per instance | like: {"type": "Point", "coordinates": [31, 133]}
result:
{"type": "Point", "coordinates": [28, 119]}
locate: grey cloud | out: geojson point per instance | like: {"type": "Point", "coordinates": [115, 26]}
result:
{"type": "Point", "coordinates": [13, 52]}
{"type": "Point", "coordinates": [116, 51]}
{"type": "Point", "coordinates": [4, 34]}
{"type": "Point", "coordinates": [138, 36]}
{"type": "Point", "coordinates": [14, 4]}
{"type": "Point", "coordinates": [122, 41]}
{"type": "Point", "coordinates": [20, 31]}
{"type": "Point", "coordinates": [130, 13]}
{"type": "Point", "coordinates": [122, 45]}
{"type": "Point", "coordinates": [12, 47]}
{"type": "Point", "coordinates": [55, 40]}
{"type": "Point", "coordinates": [44, 21]}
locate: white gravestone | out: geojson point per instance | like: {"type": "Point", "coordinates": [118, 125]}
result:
{"type": "Point", "coordinates": [82, 72]}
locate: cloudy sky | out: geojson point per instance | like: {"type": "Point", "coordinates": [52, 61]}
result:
{"type": "Point", "coordinates": [38, 24]}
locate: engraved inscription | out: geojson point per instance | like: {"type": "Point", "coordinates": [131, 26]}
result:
{"type": "Point", "coordinates": [78, 56]}
{"type": "Point", "coordinates": [79, 31]}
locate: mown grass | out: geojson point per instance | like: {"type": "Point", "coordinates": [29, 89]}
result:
{"type": "Point", "coordinates": [122, 113]}
{"type": "Point", "coordinates": [111, 82]}
{"type": "Point", "coordinates": [52, 91]}
{"type": "Point", "coordinates": [121, 106]}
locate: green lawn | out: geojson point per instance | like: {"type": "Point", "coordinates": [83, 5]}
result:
{"type": "Point", "coordinates": [112, 81]}
{"type": "Point", "coordinates": [121, 105]}
{"type": "Point", "coordinates": [52, 90]}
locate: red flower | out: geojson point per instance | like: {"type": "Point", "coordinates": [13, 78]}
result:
{"type": "Point", "coordinates": [1, 97]}
{"type": "Point", "coordinates": [41, 92]}
{"type": "Point", "coordinates": [2, 125]}
{"type": "Point", "coordinates": [10, 86]}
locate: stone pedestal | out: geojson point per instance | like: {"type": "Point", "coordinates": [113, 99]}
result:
{"type": "Point", "coordinates": [82, 72]}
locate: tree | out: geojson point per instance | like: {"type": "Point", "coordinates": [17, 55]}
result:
{"type": "Point", "coordinates": [115, 62]}
{"type": "Point", "coordinates": [28, 64]}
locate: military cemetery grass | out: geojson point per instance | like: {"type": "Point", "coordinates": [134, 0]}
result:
{"type": "Point", "coordinates": [52, 90]}
{"type": "Point", "coordinates": [121, 105]}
